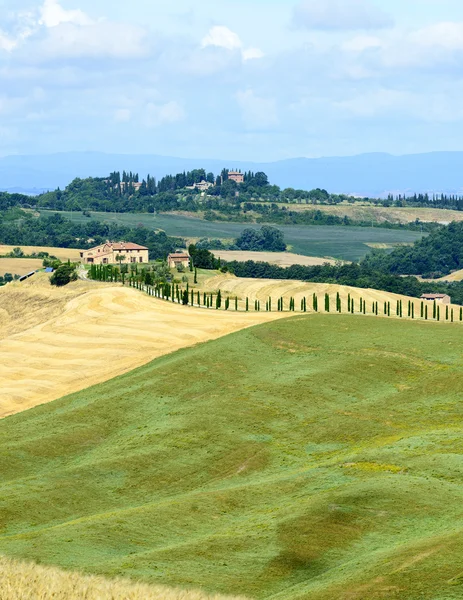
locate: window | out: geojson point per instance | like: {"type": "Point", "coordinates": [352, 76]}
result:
{"type": "Point", "coordinates": [141, 259]}
{"type": "Point", "coordinates": [133, 259]}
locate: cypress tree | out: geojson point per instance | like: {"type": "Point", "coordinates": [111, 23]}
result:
{"type": "Point", "coordinates": [204, 299]}
{"type": "Point", "coordinates": [434, 310]}
{"type": "Point", "coordinates": [361, 305]}
{"type": "Point", "coordinates": [185, 298]}
{"type": "Point", "coordinates": [227, 303]}
{"type": "Point", "coordinates": [401, 308]}
{"type": "Point", "coordinates": [255, 305]}
{"type": "Point", "coordinates": [192, 298]}
{"type": "Point", "coordinates": [409, 308]}
{"type": "Point", "coordinates": [422, 309]}
{"type": "Point", "coordinates": [218, 300]}
{"type": "Point", "coordinates": [266, 306]}
{"type": "Point", "coordinates": [270, 304]}
{"type": "Point", "coordinates": [385, 308]}
{"type": "Point", "coordinates": [247, 304]}
{"type": "Point", "coordinates": [388, 309]}
{"type": "Point", "coordinates": [348, 302]}
{"type": "Point", "coordinates": [438, 313]}
{"type": "Point", "coordinates": [461, 313]}
{"type": "Point", "coordinates": [236, 302]}
{"type": "Point", "coordinates": [282, 305]}
{"type": "Point", "coordinates": [446, 313]}
{"type": "Point", "coordinates": [196, 275]}
{"type": "Point", "coordinates": [199, 299]}
{"type": "Point", "coordinates": [338, 302]}
{"type": "Point", "coordinates": [352, 306]}
{"type": "Point", "coordinates": [315, 302]}
{"type": "Point", "coordinates": [426, 312]}
{"type": "Point", "coordinates": [452, 315]}
{"type": "Point", "coordinates": [413, 310]}
{"type": "Point", "coordinates": [327, 303]}
{"type": "Point", "coordinates": [305, 304]}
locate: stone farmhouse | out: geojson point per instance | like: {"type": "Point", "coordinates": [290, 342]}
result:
{"type": "Point", "coordinates": [110, 253]}
{"type": "Point", "coordinates": [236, 176]}
{"type": "Point", "coordinates": [442, 298]}
{"type": "Point", "coordinates": [179, 259]}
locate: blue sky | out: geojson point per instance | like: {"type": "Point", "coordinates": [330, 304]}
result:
{"type": "Point", "coordinates": [250, 80]}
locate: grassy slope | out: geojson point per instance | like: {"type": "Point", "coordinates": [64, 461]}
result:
{"type": "Point", "coordinates": [346, 243]}
{"type": "Point", "coordinates": [313, 458]}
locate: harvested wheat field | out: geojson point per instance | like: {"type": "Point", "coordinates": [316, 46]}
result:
{"type": "Point", "coordinates": [282, 259]}
{"type": "Point", "coordinates": [61, 253]}
{"type": "Point", "coordinates": [19, 266]}
{"type": "Point", "coordinates": [54, 342]}
{"type": "Point", "coordinates": [262, 289]}
{"type": "Point", "coordinates": [26, 581]}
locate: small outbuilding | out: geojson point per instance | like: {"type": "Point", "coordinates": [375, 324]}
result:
{"type": "Point", "coordinates": [442, 298]}
{"type": "Point", "coordinates": [179, 259]}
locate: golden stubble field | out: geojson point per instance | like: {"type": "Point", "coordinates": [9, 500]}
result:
{"type": "Point", "coordinates": [57, 341]}
{"type": "Point", "coordinates": [19, 266]}
{"type": "Point", "coordinates": [61, 253]}
{"type": "Point", "coordinates": [26, 581]}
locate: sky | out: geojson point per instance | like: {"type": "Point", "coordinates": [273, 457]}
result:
{"type": "Point", "coordinates": [247, 80]}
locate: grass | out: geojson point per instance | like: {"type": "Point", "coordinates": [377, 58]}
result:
{"type": "Point", "coordinates": [344, 243]}
{"type": "Point", "coordinates": [311, 458]}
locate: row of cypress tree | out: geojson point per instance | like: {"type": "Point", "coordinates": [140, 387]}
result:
{"type": "Point", "coordinates": [187, 296]}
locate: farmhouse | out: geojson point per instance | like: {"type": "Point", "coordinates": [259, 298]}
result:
{"type": "Point", "coordinates": [178, 259]}
{"type": "Point", "coordinates": [111, 253]}
{"type": "Point", "coordinates": [442, 298]}
{"type": "Point", "coordinates": [236, 176]}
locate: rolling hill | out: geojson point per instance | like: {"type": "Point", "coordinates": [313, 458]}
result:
{"type": "Point", "coordinates": [310, 458]}
{"type": "Point", "coordinates": [365, 175]}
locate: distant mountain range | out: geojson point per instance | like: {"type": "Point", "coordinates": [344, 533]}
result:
{"type": "Point", "coordinates": [363, 175]}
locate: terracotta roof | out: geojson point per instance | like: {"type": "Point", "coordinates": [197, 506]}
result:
{"type": "Point", "coordinates": [127, 246]}
{"type": "Point", "coordinates": [179, 255]}
{"type": "Point", "coordinates": [434, 296]}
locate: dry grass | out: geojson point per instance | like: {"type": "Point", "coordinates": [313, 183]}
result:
{"type": "Point", "coordinates": [57, 341]}
{"type": "Point", "coordinates": [26, 581]}
{"type": "Point", "coordinates": [282, 259]}
{"type": "Point", "coordinates": [19, 266]}
{"type": "Point", "coordinates": [262, 289]}
{"type": "Point", "coordinates": [378, 213]}
{"type": "Point", "coordinates": [61, 253]}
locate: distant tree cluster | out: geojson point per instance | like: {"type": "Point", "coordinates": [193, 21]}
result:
{"type": "Point", "coordinates": [265, 239]}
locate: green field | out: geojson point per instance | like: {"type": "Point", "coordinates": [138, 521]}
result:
{"type": "Point", "coordinates": [316, 458]}
{"type": "Point", "coordinates": [345, 243]}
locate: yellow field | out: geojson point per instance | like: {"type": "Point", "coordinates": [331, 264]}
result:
{"type": "Point", "coordinates": [61, 253]}
{"type": "Point", "coordinates": [378, 213]}
{"type": "Point", "coordinates": [282, 259]}
{"type": "Point", "coordinates": [24, 581]}
{"type": "Point", "coordinates": [262, 289]}
{"type": "Point", "coordinates": [57, 341]}
{"type": "Point", "coordinates": [19, 266]}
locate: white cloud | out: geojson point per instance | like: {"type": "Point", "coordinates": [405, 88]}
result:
{"type": "Point", "coordinates": [7, 43]}
{"type": "Point", "coordinates": [53, 14]}
{"type": "Point", "coordinates": [252, 54]}
{"type": "Point", "coordinates": [257, 112]}
{"type": "Point", "coordinates": [163, 114]}
{"type": "Point", "coordinates": [220, 36]}
{"type": "Point", "coordinates": [340, 15]}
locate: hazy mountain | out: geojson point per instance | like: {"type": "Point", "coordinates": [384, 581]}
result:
{"type": "Point", "coordinates": [365, 174]}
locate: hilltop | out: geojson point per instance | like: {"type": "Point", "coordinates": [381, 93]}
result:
{"type": "Point", "coordinates": [374, 174]}
{"type": "Point", "coordinates": [309, 458]}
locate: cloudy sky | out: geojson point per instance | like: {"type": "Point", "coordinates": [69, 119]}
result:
{"type": "Point", "coordinates": [248, 79]}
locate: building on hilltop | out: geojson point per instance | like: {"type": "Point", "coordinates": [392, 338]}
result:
{"type": "Point", "coordinates": [110, 253]}
{"type": "Point", "coordinates": [236, 176]}
{"type": "Point", "coordinates": [442, 298]}
{"type": "Point", "coordinates": [178, 259]}
{"type": "Point", "coordinates": [202, 186]}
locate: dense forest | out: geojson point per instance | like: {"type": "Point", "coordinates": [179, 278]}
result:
{"type": "Point", "coordinates": [434, 256]}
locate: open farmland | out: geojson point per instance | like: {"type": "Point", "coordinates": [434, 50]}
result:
{"type": "Point", "coordinates": [282, 259]}
{"type": "Point", "coordinates": [26, 581]}
{"type": "Point", "coordinates": [53, 342]}
{"type": "Point", "coordinates": [344, 243]}
{"type": "Point", "coordinates": [19, 266]}
{"type": "Point", "coordinates": [62, 253]}
{"type": "Point", "coordinates": [380, 214]}
{"type": "Point", "coordinates": [312, 458]}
